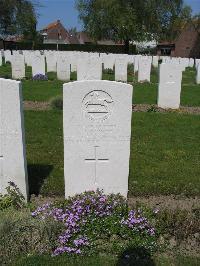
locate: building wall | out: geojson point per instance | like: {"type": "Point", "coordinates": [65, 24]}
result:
{"type": "Point", "coordinates": [187, 44]}
{"type": "Point", "coordinates": [57, 32]}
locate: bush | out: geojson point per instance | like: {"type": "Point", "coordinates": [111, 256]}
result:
{"type": "Point", "coordinates": [13, 198]}
{"type": "Point", "coordinates": [21, 235]}
{"type": "Point", "coordinates": [57, 103]}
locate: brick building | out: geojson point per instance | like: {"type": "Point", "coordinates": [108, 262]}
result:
{"type": "Point", "coordinates": [56, 33]}
{"type": "Point", "coordinates": [187, 44]}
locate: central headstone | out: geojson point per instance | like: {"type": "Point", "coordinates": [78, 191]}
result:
{"type": "Point", "coordinates": [97, 131]}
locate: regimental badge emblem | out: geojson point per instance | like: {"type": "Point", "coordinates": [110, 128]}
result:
{"type": "Point", "coordinates": [97, 105]}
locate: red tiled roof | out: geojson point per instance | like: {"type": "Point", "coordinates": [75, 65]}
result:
{"type": "Point", "coordinates": [52, 25]}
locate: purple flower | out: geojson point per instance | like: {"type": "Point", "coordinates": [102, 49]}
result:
{"type": "Point", "coordinates": [40, 77]}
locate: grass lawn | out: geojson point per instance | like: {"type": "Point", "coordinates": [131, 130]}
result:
{"type": "Point", "coordinates": [144, 93]}
{"type": "Point", "coordinates": [106, 261]}
{"type": "Point", "coordinates": [164, 153]}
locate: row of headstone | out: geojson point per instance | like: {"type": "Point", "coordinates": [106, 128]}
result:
{"type": "Point", "coordinates": [65, 62]}
{"type": "Point", "coordinates": [97, 132]}
{"type": "Point", "coordinates": [97, 128]}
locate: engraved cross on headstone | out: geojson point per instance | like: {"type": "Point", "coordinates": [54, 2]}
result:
{"type": "Point", "coordinates": [96, 160]}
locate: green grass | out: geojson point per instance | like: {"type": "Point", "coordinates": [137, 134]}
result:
{"type": "Point", "coordinates": [45, 152]}
{"type": "Point", "coordinates": [106, 260]}
{"type": "Point", "coordinates": [41, 90]}
{"type": "Point", "coordinates": [190, 95]}
{"type": "Point", "coordinates": [164, 153]}
{"type": "Point", "coordinates": [144, 93]}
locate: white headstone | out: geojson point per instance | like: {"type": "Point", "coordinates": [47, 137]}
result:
{"type": "Point", "coordinates": [197, 62]}
{"type": "Point", "coordinates": [63, 68]}
{"type": "Point", "coordinates": [2, 52]}
{"type": "Point", "coordinates": [155, 61]}
{"type": "Point", "coordinates": [144, 71]}
{"type": "Point", "coordinates": [108, 61]}
{"type": "Point", "coordinates": [121, 65]}
{"type": "Point", "coordinates": [0, 59]}
{"type": "Point", "coordinates": [12, 144]}
{"type": "Point", "coordinates": [38, 64]}
{"type": "Point", "coordinates": [191, 62]}
{"type": "Point", "coordinates": [169, 90]}
{"type": "Point", "coordinates": [51, 60]}
{"type": "Point", "coordinates": [136, 63]}
{"type": "Point", "coordinates": [7, 54]}
{"type": "Point", "coordinates": [198, 74]}
{"type": "Point", "coordinates": [97, 131]}
{"type": "Point", "coordinates": [18, 66]}
{"type": "Point", "coordinates": [28, 57]}
{"type": "Point", "coordinates": [90, 69]}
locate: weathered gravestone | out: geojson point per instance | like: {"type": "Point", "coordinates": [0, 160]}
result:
{"type": "Point", "coordinates": [38, 64]}
{"type": "Point", "coordinates": [12, 145]}
{"type": "Point", "coordinates": [18, 66]}
{"type": "Point", "coordinates": [169, 90]}
{"type": "Point", "coordinates": [97, 131]}
{"type": "Point", "coordinates": [89, 69]}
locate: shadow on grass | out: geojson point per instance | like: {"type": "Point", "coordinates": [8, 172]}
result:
{"type": "Point", "coordinates": [137, 256]}
{"type": "Point", "coordinates": [36, 176]}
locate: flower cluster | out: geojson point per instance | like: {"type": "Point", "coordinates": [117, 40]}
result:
{"type": "Point", "coordinates": [40, 77]}
{"type": "Point", "coordinates": [138, 223]}
{"type": "Point", "coordinates": [80, 215]}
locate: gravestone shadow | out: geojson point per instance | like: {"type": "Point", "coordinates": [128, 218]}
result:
{"type": "Point", "coordinates": [37, 173]}
{"type": "Point", "coordinates": [136, 256]}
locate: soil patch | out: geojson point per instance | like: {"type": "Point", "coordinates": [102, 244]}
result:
{"type": "Point", "coordinates": [170, 202]}
{"type": "Point", "coordinates": [155, 108]}
{"type": "Point", "coordinates": [38, 106]}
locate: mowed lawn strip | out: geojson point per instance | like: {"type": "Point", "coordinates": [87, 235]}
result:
{"type": "Point", "coordinates": [106, 260]}
{"type": "Point", "coordinates": [164, 159]}
{"type": "Point", "coordinates": [165, 154]}
{"type": "Point", "coordinates": [44, 144]}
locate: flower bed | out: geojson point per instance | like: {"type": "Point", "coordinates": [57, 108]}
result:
{"type": "Point", "coordinates": [40, 77]}
{"type": "Point", "coordinates": [93, 220]}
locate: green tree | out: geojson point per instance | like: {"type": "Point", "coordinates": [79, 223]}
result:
{"type": "Point", "coordinates": [18, 17]}
{"type": "Point", "coordinates": [132, 20]}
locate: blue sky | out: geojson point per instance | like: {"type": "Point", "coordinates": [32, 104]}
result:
{"type": "Point", "coordinates": [51, 10]}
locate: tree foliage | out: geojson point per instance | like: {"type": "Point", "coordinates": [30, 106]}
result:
{"type": "Point", "coordinates": [133, 20]}
{"type": "Point", "coordinates": [18, 17]}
